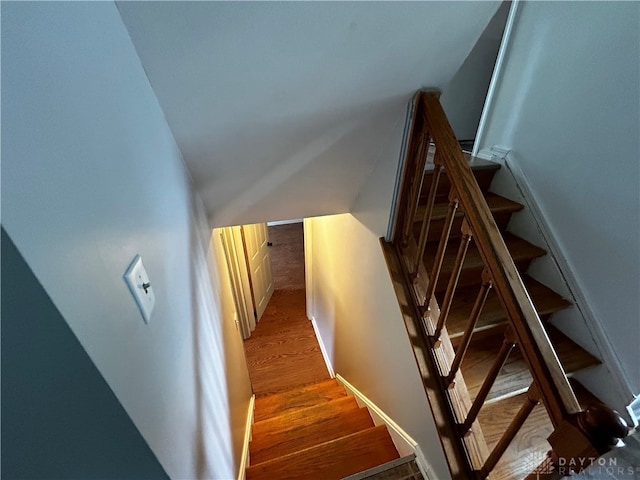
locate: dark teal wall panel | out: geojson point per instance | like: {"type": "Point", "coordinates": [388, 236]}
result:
{"type": "Point", "coordinates": [60, 419]}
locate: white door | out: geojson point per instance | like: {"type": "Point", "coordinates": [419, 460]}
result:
{"type": "Point", "coordinates": [256, 238]}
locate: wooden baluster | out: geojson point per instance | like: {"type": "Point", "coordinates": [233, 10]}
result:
{"type": "Point", "coordinates": [442, 248]}
{"type": "Point", "coordinates": [426, 218]}
{"type": "Point", "coordinates": [473, 320]}
{"type": "Point", "coordinates": [453, 280]}
{"type": "Point", "coordinates": [501, 358]}
{"type": "Point", "coordinates": [416, 185]}
{"type": "Point", "coordinates": [408, 175]}
{"type": "Point", "coordinates": [533, 398]}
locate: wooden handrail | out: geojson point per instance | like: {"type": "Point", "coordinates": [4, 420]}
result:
{"type": "Point", "coordinates": [546, 370]}
{"type": "Point", "coordinates": [577, 433]}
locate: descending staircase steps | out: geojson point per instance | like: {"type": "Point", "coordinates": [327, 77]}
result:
{"type": "Point", "coordinates": [501, 208]}
{"type": "Point", "coordinates": [483, 170]}
{"type": "Point", "coordinates": [522, 252]}
{"type": "Point", "coordinates": [307, 396]}
{"type": "Point", "coordinates": [514, 378]}
{"type": "Point", "coordinates": [546, 301]}
{"type": "Point", "coordinates": [509, 390]}
{"type": "Point", "coordinates": [307, 427]}
{"type": "Point", "coordinates": [315, 432]}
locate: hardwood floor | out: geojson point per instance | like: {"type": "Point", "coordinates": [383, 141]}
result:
{"type": "Point", "coordinates": [305, 424]}
{"type": "Point", "coordinates": [287, 256]}
{"type": "Point", "coordinates": [529, 444]}
{"type": "Point", "coordinates": [283, 351]}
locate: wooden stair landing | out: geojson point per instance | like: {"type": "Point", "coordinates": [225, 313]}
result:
{"type": "Point", "coordinates": [315, 431]}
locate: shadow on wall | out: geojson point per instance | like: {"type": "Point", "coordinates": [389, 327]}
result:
{"type": "Point", "coordinates": [60, 419]}
{"type": "Point", "coordinates": [222, 380]}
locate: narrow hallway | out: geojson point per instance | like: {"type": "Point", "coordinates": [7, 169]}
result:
{"type": "Point", "coordinates": [305, 423]}
{"type": "Point", "coordinates": [283, 351]}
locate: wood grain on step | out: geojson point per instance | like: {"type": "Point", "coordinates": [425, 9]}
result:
{"type": "Point", "coordinates": [283, 351]}
{"type": "Point", "coordinates": [483, 171]}
{"type": "Point", "coordinates": [493, 315]}
{"type": "Point", "coordinates": [501, 208]}
{"type": "Point", "coordinates": [304, 415]}
{"type": "Point", "coordinates": [496, 204]}
{"type": "Point", "coordinates": [514, 378]}
{"type": "Point", "coordinates": [306, 430]}
{"type": "Point", "coordinates": [330, 460]}
{"type": "Point", "coordinates": [306, 396]}
{"type": "Point", "coordinates": [521, 251]}
{"type": "Point", "coordinates": [530, 440]}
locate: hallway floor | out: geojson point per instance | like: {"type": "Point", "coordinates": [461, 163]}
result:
{"type": "Point", "coordinates": [283, 351]}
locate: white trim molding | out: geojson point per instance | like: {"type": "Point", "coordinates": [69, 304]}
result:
{"type": "Point", "coordinates": [598, 333]}
{"type": "Point", "coordinates": [323, 349]}
{"type": "Point", "coordinates": [401, 439]}
{"type": "Point", "coordinates": [497, 76]}
{"type": "Point", "coordinates": [634, 410]}
{"type": "Point", "coordinates": [308, 266]}
{"type": "Point", "coordinates": [244, 461]}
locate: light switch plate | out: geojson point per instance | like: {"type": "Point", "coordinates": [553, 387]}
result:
{"type": "Point", "coordinates": [140, 286]}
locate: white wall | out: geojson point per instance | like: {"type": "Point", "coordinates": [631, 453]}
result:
{"type": "Point", "coordinates": [463, 97]}
{"type": "Point", "coordinates": [567, 105]}
{"type": "Point", "coordinates": [356, 310]}
{"type": "Point", "coordinates": [91, 176]}
{"type": "Point", "coordinates": [271, 101]}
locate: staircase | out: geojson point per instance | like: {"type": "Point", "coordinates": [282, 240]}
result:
{"type": "Point", "coordinates": [315, 431]}
{"type": "Point", "coordinates": [513, 380]}
{"type": "Point", "coordinates": [496, 371]}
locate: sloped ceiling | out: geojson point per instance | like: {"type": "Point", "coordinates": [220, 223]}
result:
{"type": "Point", "coordinates": [280, 109]}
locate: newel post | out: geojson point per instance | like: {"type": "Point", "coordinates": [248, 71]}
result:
{"type": "Point", "coordinates": [581, 438]}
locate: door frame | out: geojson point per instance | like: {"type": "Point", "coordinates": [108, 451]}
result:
{"type": "Point", "coordinates": [238, 273]}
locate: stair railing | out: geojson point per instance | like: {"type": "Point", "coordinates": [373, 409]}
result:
{"type": "Point", "coordinates": [577, 434]}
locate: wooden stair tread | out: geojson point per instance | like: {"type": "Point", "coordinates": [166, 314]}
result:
{"type": "Point", "coordinates": [545, 300]}
{"type": "Point", "coordinates": [483, 170]}
{"type": "Point", "coordinates": [501, 208]}
{"type": "Point", "coordinates": [497, 204]}
{"type": "Point", "coordinates": [521, 251]}
{"type": "Point", "coordinates": [281, 344]}
{"type": "Point", "coordinates": [531, 440]}
{"type": "Point", "coordinates": [514, 378]}
{"type": "Point", "coordinates": [303, 416]}
{"type": "Point", "coordinates": [308, 431]}
{"type": "Point", "coordinates": [301, 397]}
{"type": "Point", "coordinates": [330, 460]}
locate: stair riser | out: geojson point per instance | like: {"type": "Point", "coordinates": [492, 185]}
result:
{"type": "Point", "coordinates": [298, 438]}
{"type": "Point", "coordinates": [471, 276]}
{"type": "Point", "coordinates": [483, 177]}
{"type": "Point", "coordinates": [274, 405]}
{"type": "Point", "coordinates": [496, 329]}
{"type": "Point", "coordinates": [336, 459]}
{"type": "Point", "coordinates": [305, 416]}
{"type": "Point", "coordinates": [436, 226]}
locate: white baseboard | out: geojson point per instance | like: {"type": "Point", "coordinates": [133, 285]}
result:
{"type": "Point", "coordinates": [325, 353]}
{"type": "Point", "coordinates": [244, 461]}
{"type": "Point", "coordinates": [401, 439]}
